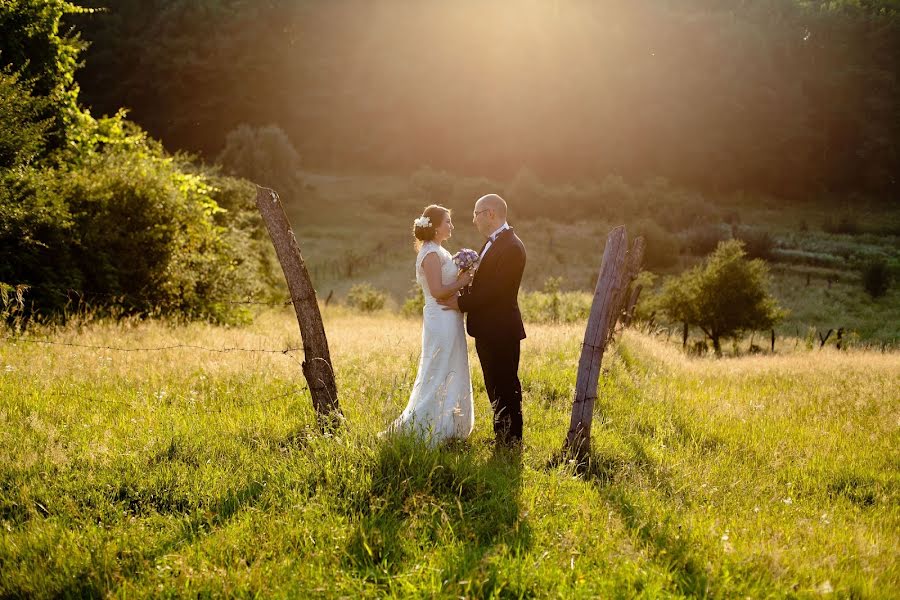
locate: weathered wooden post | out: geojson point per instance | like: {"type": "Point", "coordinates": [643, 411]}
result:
{"type": "Point", "coordinates": [632, 303]}
{"type": "Point", "coordinates": [606, 297]}
{"type": "Point", "coordinates": [316, 365]}
{"type": "Point", "coordinates": [633, 260]}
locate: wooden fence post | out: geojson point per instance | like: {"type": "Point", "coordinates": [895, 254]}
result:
{"type": "Point", "coordinates": [633, 261]}
{"type": "Point", "coordinates": [316, 365]}
{"type": "Point", "coordinates": [607, 296]}
{"type": "Point", "coordinates": [632, 303]}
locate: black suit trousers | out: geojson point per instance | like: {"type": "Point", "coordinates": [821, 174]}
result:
{"type": "Point", "coordinates": [500, 366]}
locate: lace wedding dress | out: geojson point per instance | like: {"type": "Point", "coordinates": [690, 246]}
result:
{"type": "Point", "coordinates": [440, 405]}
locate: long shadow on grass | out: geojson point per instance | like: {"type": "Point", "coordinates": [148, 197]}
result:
{"type": "Point", "coordinates": [629, 486]}
{"type": "Point", "coordinates": [162, 489]}
{"type": "Point", "coordinates": [661, 534]}
{"type": "Point", "coordinates": [447, 499]}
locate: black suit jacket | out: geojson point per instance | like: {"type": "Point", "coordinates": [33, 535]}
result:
{"type": "Point", "coordinates": [491, 302]}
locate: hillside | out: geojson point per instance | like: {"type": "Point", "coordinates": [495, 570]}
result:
{"type": "Point", "coordinates": [355, 229]}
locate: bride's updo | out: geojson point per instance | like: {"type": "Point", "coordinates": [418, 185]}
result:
{"type": "Point", "coordinates": [425, 232]}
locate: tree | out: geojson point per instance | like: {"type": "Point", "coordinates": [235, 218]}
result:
{"type": "Point", "coordinates": [264, 155]}
{"type": "Point", "coordinates": [22, 131]}
{"type": "Point", "coordinates": [876, 277]}
{"type": "Point", "coordinates": [94, 209]}
{"type": "Point", "coordinates": [33, 47]}
{"type": "Point", "coordinates": [724, 296]}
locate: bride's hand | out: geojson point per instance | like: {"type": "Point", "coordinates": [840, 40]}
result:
{"type": "Point", "coordinates": [465, 278]}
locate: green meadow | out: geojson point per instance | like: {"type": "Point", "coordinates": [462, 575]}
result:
{"type": "Point", "coordinates": [816, 251]}
{"type": "Point", "coordinates": [197, 470]}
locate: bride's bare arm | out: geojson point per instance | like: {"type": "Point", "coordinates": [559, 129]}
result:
{"type": "Point", "coordinates": [431, 265]}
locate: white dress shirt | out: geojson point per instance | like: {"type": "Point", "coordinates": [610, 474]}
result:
{"type": "Point", "coordinates": [491, 239]}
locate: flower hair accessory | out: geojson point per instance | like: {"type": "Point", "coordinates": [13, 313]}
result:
{"type": "Point", "coordinates": [422, 222]}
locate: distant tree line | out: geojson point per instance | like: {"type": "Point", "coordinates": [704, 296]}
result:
{"type": "Point", "coordinates": [779, 96]}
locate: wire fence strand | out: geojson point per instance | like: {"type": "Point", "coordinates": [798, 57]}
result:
{"type": "Point", "coordinates": [286, 351]}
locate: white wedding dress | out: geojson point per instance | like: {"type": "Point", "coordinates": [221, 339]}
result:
{"type": "Point", "coordinates": [440, 404]}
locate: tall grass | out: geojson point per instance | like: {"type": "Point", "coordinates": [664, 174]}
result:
{"type": "Point", "coordinates": [183, 472]}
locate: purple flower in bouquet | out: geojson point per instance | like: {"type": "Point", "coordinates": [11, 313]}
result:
{"type": "Point", "coordinates": [466, 259]}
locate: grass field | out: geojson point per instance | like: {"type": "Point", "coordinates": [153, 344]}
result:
{"type": "Point", "coordinates": [187, 472]}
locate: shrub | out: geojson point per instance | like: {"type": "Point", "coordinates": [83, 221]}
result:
{"type": "Point", "coordinates": [724, 296]}
{"type": "Point", "coordinates": [130, 225]}
{"type": "Point", "coordinates": [264, 155]}
{"type": "Point", "coordinates": [876, 277]}
{"type": "Point", "coordinates": [22, 129]}
{"type": "Point", "coordinates": [555, 307]}
{"type": "Point", "coordinates": [702, 240]}
{"type": "Point", "coordinates": [414, 303]}
{"type": "Point", "coordinates": [758, 243]}
{"type": "Point", "coordinates": [660, 247]}
{"type": "Point", "coordinates": [432, 186]}
{"type": "Point", "coordinates": [845, 225]}
{"type": "Point", "coordinates": [93, 208]}
{"type": "Point", "coordinates": [366, 298]}
{"type": "Point", "coordinates": [528, 193]}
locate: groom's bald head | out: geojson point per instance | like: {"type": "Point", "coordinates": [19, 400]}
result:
{"type": "Point", "coordinates": [489, 214]}
{"type": "Point", "coordinates": [494, 203]}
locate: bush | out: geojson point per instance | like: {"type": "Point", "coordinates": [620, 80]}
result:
{"type": "Point", "coordinates": [555, 306]}
{"type": "Point", "coordinates": [22, 129]}
{"type": "Point", "coordinates": [265, 156]}
{"type": "Point", "coordinates": [660, 247]}
{"type": "Point", "coordinates": [95, 210]}
{"type": "Point", "coordinates": [414, 303]}
{"type": "Point", "coordinates": [758, 243]}
{"type": "Point", "coordinates": [132, 226]}
{"type": "Point", "coordinates": [724, 296]}
{"type": "Point", "coordinates": [528, 194]}
{"type": "Point", "coordinates": [702, 240]}
{"type": "Point", "coordinates": [876, 277]}
{"type": "Point", "coordinates": [366, 298]}
{"type": "Point", "coordinates": [432, 186]}
{"type": "Point", "coordinates": [845, 225]}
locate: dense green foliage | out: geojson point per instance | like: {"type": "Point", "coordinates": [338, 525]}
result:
{"type": "Point", "coordinates": [780, 96]}
{"type": "Point", "coordinates": [31, 43]}
{"type": "Point", "coordinates": [94, 212]}
{"type": "Point", "coordinates": [725, 296]}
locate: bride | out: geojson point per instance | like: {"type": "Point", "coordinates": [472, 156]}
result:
{"type": "Point", "coordinates": [440, 405]}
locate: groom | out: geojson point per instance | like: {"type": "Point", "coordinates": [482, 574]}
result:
{"type": "Point", "coordinates": [493, 318]}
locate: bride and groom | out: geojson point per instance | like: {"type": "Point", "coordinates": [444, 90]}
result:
{"type": "Point", "coordinates": [440, 405]}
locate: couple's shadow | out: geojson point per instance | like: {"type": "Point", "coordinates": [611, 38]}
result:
{"type": "Point", "coordinates": [447, 506]}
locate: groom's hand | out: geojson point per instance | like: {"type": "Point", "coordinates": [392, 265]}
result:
{"type": "Point", "coordinates": [450, 303]}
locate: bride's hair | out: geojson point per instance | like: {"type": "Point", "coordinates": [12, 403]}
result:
{"type": "Point", "coordinates": [435, 214]}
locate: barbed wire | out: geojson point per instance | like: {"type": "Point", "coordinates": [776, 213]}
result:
{"type": "Point", "coordinates": [70, 292]}
{"type": "Point", "coordinates": [286, 351]}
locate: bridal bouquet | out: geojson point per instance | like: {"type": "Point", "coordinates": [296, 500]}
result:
{"type": "Point", "coordinates": [466, 259]}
